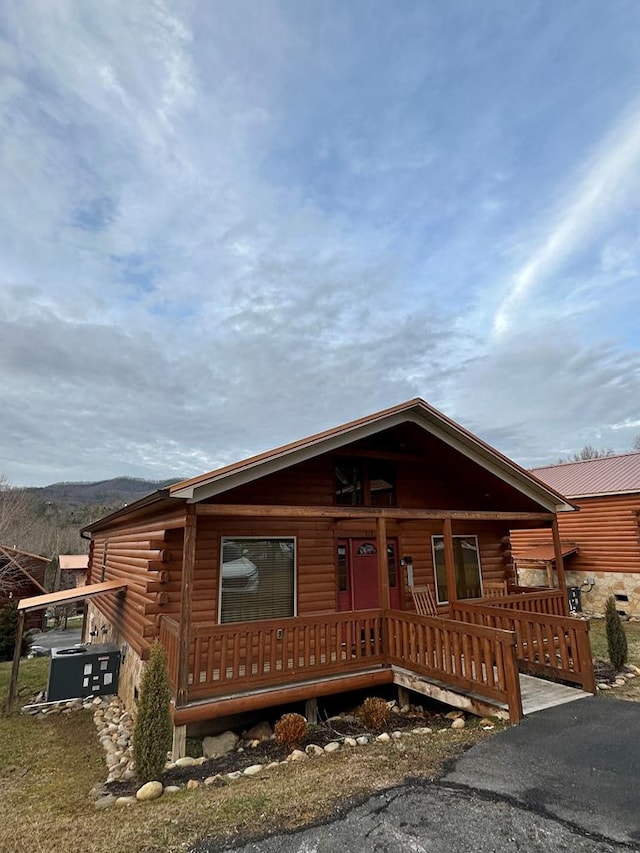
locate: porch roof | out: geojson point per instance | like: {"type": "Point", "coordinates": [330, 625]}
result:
{"type": "Point", "coordinates": [545, 553]}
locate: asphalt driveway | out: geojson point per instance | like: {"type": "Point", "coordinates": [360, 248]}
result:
{"type": "Point", "coordinates": [579, 762]}
{"type": "Point", "coordinates": [566, 779]}
{"type": "Point", "coordinates": [57, 637]}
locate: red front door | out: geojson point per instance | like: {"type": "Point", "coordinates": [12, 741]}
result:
{"type": "Point", "coordinates": [358, 574]}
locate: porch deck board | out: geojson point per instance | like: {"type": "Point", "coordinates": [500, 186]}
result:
{"type": "Point", "coordinates": [538, 694]}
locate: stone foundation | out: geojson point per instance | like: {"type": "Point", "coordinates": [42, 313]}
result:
{"type": "Point", "coordinates": [624, 586]}
{"type": "Point", "coordinates": [533, 577]}
{"type": "Point", "coordinates": [131, 664]}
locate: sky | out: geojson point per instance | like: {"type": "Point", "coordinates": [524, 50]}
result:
{"type": "Point", "coordinates": [229, 224]}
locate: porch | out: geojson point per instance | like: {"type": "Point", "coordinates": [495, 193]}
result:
{"type": "Point", "coordinates": [473, 659]}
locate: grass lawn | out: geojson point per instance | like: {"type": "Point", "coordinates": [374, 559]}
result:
{"type": "Point", "coordinates": [48, 766]}
{"type": "Point", "coordinates": [598, 638]}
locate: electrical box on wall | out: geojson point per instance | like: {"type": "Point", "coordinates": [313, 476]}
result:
{"type": "Point", "coordinates": [80, 671]}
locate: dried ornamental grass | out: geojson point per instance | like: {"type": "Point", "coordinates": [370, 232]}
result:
{"type": "Point", "coordinates": [373, 712]}
{"type": "Point", "coordinates": [291, 729]}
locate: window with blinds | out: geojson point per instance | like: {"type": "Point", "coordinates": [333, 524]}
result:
{"type": "Point", "coordinates": [257, 580]}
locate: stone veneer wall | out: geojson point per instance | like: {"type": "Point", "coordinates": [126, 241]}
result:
{"type": "Point", "coordinates": [132, 665]}
{"type": "Point", "coordinates": [595, 597]}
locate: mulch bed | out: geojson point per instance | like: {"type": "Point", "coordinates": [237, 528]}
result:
{"type": "Point", "coordinates": [267, 751]}
{"type": "Point", "coordinates": [603, 671]}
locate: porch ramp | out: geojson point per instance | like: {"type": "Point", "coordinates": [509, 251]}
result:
{"type": "Point", "coordinates": [538, 694]}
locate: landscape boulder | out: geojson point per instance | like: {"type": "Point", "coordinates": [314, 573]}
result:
{"type": "Point", "coordinates": [216, 747]}
{"type": "Point", "coordinates": [149, 791]}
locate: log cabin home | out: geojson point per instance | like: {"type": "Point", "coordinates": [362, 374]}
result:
{"type": "Point", "coordinates": [291, 575]}
{"type": "Point", "coordinates": [600, 543]}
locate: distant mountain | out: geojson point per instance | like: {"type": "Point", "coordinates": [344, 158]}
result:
{"type": "Point", "coordinates": [119, 490]}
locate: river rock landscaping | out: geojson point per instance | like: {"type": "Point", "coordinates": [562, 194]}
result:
{"type": "Point", "coordinates": [230, 755]}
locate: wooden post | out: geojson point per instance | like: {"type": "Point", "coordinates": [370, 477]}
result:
{"type": "Point", "coordinates": [557, 549]}
{"type": "Point", "coordinates": [15, 669]}
{"type": "Point", "coordinates": [404, 696]}
{"type": "Point", "coordinates": [383, 564]}
{"type": "Point", "coordinates": [449, 561]}
{"type": "Point", "coordinates": [311, 711]}
{"type": "Point", "coordinates": [179, 744]}
{"type": "Point", "coordinates": [184, 629]}
{"type": "Point", "coordinates": [549, 567]}
{"type": "Point", "coordinates": [512, 682]}
{"type": "Point", "coordinates": [586, 660]}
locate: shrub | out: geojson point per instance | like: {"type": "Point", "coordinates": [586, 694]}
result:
{"type": "Point", "coordinates": [291, 729]}
{"type": "Point", "coordinates": [8, 630]}
{"type": "Point", "coordinates": [153, 732]}
{"type": "Point", "coordinates": [373, 712]}
{"type": "Point", "coordinates": [616, 637]}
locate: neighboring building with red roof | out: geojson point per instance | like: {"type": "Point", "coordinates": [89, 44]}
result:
{"type": "Point", "coordinates": [604, 534]}
{"type": "Point", "coordinates": [72, 570]}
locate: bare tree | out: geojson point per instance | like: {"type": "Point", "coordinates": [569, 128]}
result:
{"type": "Point", "coordinates": [636, 444]}
{"type": "Point", "coordinates": [14, 518]}
{"type": "Point", "coordinates": [586, 453]}
{"type": "Point", "coordinates": [14, 512]}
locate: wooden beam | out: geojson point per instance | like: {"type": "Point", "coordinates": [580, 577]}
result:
{"type": "Point", "coordinates": [408, 681]}
{"type": "Point", "coordinates": [449, 561]}
{"type": "Point", "coordinates": [383, 565]}
{"type": "Point", "coordinates": [223, 706]}
{"type": "Point", "coordinates": [389, 513]}
{"type": "Point", "coordinates": [15, 668]}
{"type": "Point", "coordinates": [557, 549]}
{"type": "Point", "coordinates": [66, 596]}
{"type": "Point", "coordinates": [184, 630]}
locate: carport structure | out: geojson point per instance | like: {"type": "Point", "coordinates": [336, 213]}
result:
{"type": "Point", "coordinates": [51, 599]}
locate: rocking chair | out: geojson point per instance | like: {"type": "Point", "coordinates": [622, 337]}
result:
{"type": "Point", "coordinates": [423, 601]}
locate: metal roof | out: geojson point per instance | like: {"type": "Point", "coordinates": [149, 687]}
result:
{"type": "Point", "coordinates": [609, 475]}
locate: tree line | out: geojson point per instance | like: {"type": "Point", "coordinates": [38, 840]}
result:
{"type": "Point", "coordinates": [589, 452]}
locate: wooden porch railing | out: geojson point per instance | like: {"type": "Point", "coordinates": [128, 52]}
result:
{"type": "Point", "coordinates": [250, 655]}
{"type": "Point", "coordinates": [555, 646]}
{"type": "Point", "coordinates": [168, 637]}
{"type": "Point", "coordinates": [232, 658]}
{"type": "Point", "coordinates": [552, 602]}
{"type": "Point", "coordinates": [477, 659]}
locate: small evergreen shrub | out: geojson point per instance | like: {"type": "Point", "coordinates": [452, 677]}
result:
{"type": "Point", "coordinates": [291, 729]}
{"type": "Point", "coordinates": [153, 733]}
{"type": "Point", "coordinates": [616, 637]}
{"type": "Point", "coordinates": [8, 631]}
{"type": "Point", "coordinates": [373, 713]}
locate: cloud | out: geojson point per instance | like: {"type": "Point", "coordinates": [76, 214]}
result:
{"type": "Point", "coordinates": [611, 177]}
{"type": "Point", "coordinates": [225, 226]}
{"type": "Point", "coordinates": [555, 394]}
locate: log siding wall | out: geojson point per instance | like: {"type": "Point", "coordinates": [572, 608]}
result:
{"type": "Point", "coordinates": [607, 532]}
{"type": "Point", "coordinates": [147, 554]}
